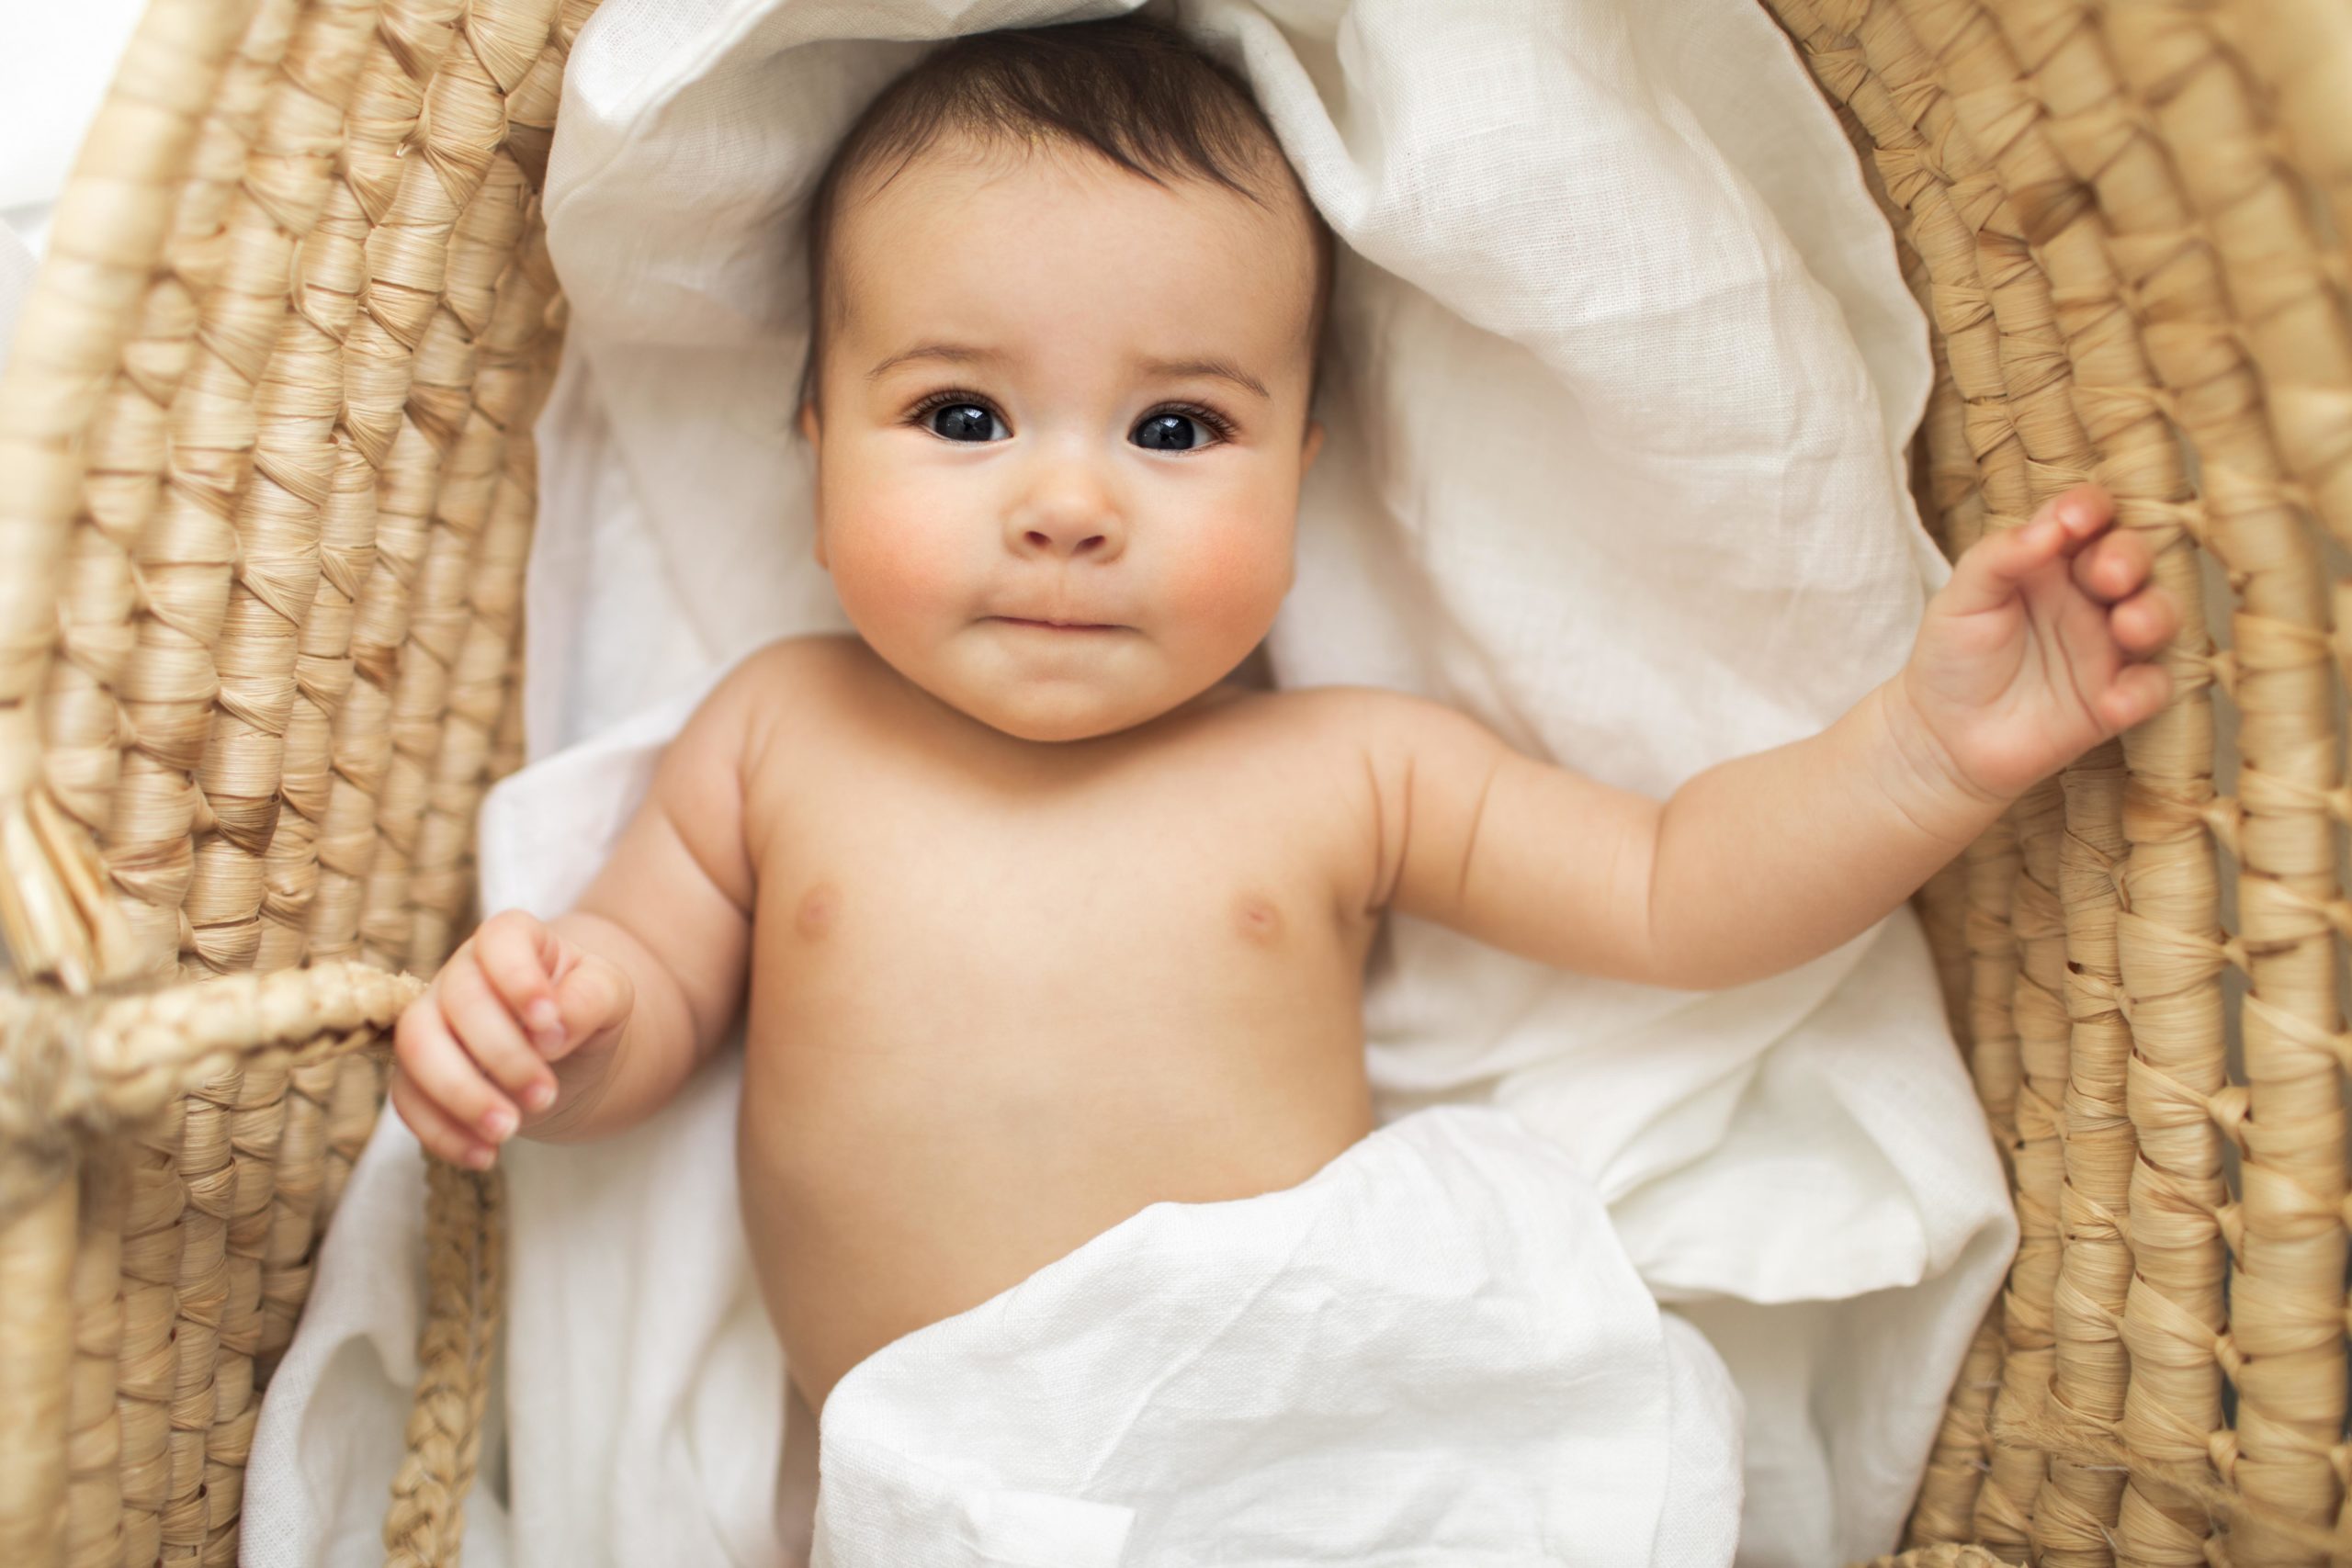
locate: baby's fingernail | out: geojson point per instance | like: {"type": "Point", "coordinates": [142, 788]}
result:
{"type": "Point", "coordinates": [538, 1097]}
{"type": "Point", "coordinates": [498, 1123]}
{"type": "Point", "coordinates": [543, 1017]}
{"type": "Point", "coordinates": [478, 1158]}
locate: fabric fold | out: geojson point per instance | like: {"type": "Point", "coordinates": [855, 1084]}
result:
{"type": "Point", "coordinates": [1432, 1350]}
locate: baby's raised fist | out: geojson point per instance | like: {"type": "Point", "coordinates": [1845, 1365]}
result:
{"type": "Point", "coordinates": [476, 1053]}
{"type": "Point", "coordinates": [2044, 641]}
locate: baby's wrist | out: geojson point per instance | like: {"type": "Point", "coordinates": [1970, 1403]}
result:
{"type": "Point", "coordinates": [1916, 770]}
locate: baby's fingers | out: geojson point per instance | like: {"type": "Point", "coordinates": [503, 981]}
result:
{"type": "Point", "coordinates": [2112, 569]}
{"type": "Point", "coordinates": [595, 996]}
{"type": "Point", "coordinates": [479, 1017]}
{"type": "Point", "coordinates": [1990, 573]}
{"type": "Point", "coordinates": [2145, 622]}
{"type": "Point", "coordinates": [429, 1056]}
{"type": "Point", "coordinates": [435, 1128]}
{"type": "Point", "coordinates": [518, 955]}
{"type": "Point", "coordinates": [2139, 694]}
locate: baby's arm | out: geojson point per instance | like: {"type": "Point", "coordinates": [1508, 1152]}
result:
{"type": "Point", "coordinates": [614, 1003]}
{"type": "Point", "coordinates": [2025, 660]}
{"type": "Point", "coordinates": [672, 910]}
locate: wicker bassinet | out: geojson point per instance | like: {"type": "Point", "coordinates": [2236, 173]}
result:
{"type": "Point", "coordinates": [261, 551]}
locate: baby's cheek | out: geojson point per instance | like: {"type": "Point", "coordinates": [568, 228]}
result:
{"type": "Point", "coordinates": [888, 566]}
{"type": "Point", "coordinates": [1232, 574]}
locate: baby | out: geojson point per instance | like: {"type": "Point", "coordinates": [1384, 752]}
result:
{"type": "Point", "coordinates": [1035, 917]}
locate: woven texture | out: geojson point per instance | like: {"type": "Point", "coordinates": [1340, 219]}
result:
{"type": "Point", "coordinates": [261, 551]}
{"type": "Point", "coordinates": [1941, 1557]}
{"type": "Point", "coordinates": [266, 489]}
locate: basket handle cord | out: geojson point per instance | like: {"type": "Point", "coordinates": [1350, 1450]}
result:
{"type": "Point", "coordinates": [465, 1210]}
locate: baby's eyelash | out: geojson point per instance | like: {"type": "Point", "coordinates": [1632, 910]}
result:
{"type": "Point", "coordinates": [1221, 427]}
{"type": "Point", "coordinates": [1208, 416]}
{"type": "Point", "coordinates": [936, 400]}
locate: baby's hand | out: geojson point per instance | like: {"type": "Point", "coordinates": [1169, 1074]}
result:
{"type": "Point", "coordinates": [515, 998]}
{"type": "Point", "coordinates": [2032, 653]}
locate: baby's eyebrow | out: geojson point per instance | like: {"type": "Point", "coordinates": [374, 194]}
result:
{"type": "Point", "coordinates": [962, 354]}
{"type": "Point", "coordinates": [1222, 370]}
{"type": "Point", "coordinates": [953, 353]}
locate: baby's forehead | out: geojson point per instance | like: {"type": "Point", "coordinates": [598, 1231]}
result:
{"type": "Point", "coordinates": [886, 212]}
{"type": "Point", "coordinates": [953, 165]}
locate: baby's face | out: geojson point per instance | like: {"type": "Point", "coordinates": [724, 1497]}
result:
{"type": "Point", "coordinates": [1062, 394]}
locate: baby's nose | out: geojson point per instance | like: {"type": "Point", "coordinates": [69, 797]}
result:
{"type": "Point", "coordinates": [1066, 539]}
{"type": "Point", "coordinates": [1067, 516]}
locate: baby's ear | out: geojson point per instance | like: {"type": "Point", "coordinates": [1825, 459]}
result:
{"type": "Point", "coordinates": [807, 423]}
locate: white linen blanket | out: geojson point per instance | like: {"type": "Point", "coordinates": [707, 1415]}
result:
{"type": "Point", "coordinates": [1432, 1352]}
{"type": "Point", "coordinates": [1622, 370]}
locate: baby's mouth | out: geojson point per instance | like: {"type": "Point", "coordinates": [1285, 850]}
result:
{"type": "Point", "coordinates": [1055, 626]}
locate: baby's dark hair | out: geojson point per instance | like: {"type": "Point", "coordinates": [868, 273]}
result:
{"type": "Point", "coordinates": [1134, 89]}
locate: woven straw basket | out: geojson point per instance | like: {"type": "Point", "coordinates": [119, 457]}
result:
{"type": "Point", "coordinates": [261, 554]}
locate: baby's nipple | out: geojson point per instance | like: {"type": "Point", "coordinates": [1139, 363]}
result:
{"type": "Point", "coordinates": [819, 908]}
{"type": "Point", "coordinates": [1257, 918]}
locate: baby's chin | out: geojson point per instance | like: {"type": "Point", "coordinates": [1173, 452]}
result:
{"type": "Point", "coordinates": [1053, 687]}
{"type": "Point", "coordinates": [1056, 707]}
{"type": "Point", "coordinates": [1052, 712]}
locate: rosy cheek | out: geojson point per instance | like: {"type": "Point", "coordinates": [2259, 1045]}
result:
{"type": "Point", "coordinates": [1231, 572]}
{"type": "Point", "coordinates": [891, 550]}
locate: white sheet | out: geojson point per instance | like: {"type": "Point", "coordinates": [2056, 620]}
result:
{"type": "Point", "coordinates": [1433, 1350]}
{"type": "Point", "coordinates": [1625, 373]}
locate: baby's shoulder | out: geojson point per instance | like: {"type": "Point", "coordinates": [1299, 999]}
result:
{"type": "Point", "coordinates": [792, 675]}
{"type": "Point", "coordinates": [805, 662]}
{"type": "Point", "coordinates": [783, 687]}
{"type": "Point", "coordinates": [1358, 741]}
{"type": "Point", "coordinates": [1401, 747]}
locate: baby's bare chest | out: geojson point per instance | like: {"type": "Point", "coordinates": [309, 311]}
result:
{"type": "Point", "coordinates": [906, 900]}
{"type": "Point", "coordinates": [991, 1015]}
{"type": "Point", "coordinates": [1181, 914]}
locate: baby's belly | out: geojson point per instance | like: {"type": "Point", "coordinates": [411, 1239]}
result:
{"type": "Point", "coordinates": [895, 1172]}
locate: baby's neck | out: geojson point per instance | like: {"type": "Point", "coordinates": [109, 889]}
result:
{"type": "Point", "coordinates": [1250, 678]}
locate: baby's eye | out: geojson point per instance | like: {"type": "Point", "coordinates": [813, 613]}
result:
{"type": "Point", "coordinates": [1170, 430]}
{"type": "Point", "coordinates": [960, 420]}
